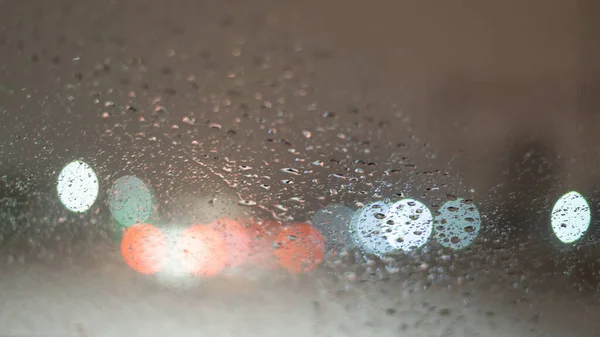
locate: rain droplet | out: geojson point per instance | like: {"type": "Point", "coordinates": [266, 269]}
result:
{"type": "Point", "coordinates": [247, 203]}
{"type": "Point", "coordinates": [188, 120]}
{"type": "Point", "coordinates": [290, 171]}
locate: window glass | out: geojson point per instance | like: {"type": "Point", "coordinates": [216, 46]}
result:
{"type": "Point", "coordinates": [307, 168]}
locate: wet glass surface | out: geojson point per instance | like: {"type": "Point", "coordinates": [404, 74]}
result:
{"type": "Point", "coordinates": [307, 168]}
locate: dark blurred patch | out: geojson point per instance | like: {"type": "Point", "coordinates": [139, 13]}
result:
{"type": "Point", "coordinates": [533, 178]}
{"type": "Point", "coordinates": [589, 57]}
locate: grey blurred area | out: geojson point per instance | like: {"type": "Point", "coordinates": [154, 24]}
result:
{"type": "Point", "coordinates": [499, 99]}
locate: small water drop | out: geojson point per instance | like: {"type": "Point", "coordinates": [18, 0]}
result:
{"type": "Point", "coordinates": [290, 171]}
{"type": "Point", "coordinates": [247, 203]}
{"type": "Point", "coordinates": [188, 120]}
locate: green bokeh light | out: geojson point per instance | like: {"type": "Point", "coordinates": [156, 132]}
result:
{"type": "Point", "coordinates": [130, 201]}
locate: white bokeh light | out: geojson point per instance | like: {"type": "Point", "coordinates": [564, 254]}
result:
{"type": "Point", "coordinates": [410, 224]}
{"type": "Point", "coordinates": [173, 274]}
{"type": "Point", "coordinates": [368, 228]}
{"type": "Point", "coordinates": [77, 186]}
{"type": "Point", "coordinates": [570, 217]}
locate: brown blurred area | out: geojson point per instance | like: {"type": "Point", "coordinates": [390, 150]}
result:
{"type": "Point", "coordinates": [477, 77]}
{"type": "Point", "coordinates": [473, 78]}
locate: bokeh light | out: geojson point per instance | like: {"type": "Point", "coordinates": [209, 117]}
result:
{"type": "Point", "coordinates": [144, 248]}
{"type": "Point", "coordinates": [202, 251]}
{"type": "Point", "coordinates": [409, 223]}
{"type": "Point", "coordinates": [77, 186]}
{"type": "Point", "coordinates": [130, 201]}
{"type": "Point", "coordinates": [300, 248]}
{"type": "Point", "coordinates": [333, 222]}
{"type": "Point", "coordinates": [457, 224]}
{"type": "Point", "coordinates": [570, 217]}
{"type": "Point", "coordinates": [367, 228]}
{"type": "Point", "coordinates": [173, 274]}
{"type": "Point", "coordinates": [262, 240]}
{"type": "Point", "coordinates": [236, 239]}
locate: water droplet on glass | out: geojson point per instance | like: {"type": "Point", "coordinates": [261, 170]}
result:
{"type": "Point", "coordinates": [290, 171]}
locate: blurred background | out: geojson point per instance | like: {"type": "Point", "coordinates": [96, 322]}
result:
{"type": "Point", "coordinates": [275, 110]}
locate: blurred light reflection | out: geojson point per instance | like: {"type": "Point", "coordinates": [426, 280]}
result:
{"type": "Point", "coordinates": [202, 251]}
{"type": "Point", "coordinates": [367, 228]}
{"type": "Point", "coordinates": [570, 217]}
{"type": "Point", "coordinates": [409, 224]}
{"type": "Point", "coordinates": [300, 248]}
{"type": "Point", "coordinates": [144, 248]}
{"type": "Point", "coordinates": [130, 201]}
{"type": "Point", "coordinates": [332, 221]}
{"type": "Point", "coordinates": [457, 224]}
{"type": "Point", "coordinates": [77, 186]}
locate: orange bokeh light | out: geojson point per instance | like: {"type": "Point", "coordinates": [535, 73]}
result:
{"type": "Point", "coordinates": [301, 248]}
{"type": "Point", "coordinates": [144, 248]}
{"type": "Point", "coordinates": [236, 239]}
{"type": "Point", "coordinates": [202, 251]}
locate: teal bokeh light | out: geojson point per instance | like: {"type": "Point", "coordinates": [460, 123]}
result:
{"type": "Point", "coordinates": [130, 201]}
{"type": "Point", "coordinates": [457, 224]}
{"type": "Point", "coordinates": [333, 222]}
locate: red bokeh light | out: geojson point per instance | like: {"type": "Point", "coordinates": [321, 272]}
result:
{"type": "Point", "coordinates": [262, 239]}
{"type": "Point", "coordinates": [236, 239]}
{"type": "Point", "coordinates": [202, 251]}
{"type": "Point", "coordinates": [144, 248]}
{"type": "Point", "coordinates": [301, 248]}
